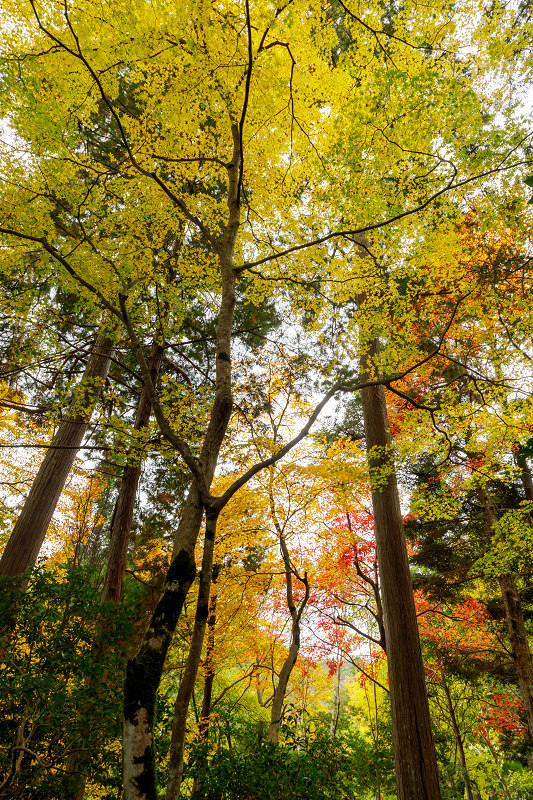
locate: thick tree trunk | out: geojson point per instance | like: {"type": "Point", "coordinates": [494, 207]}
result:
{"type": "Point", "coordinates": [414, 751]}
{"type": "Point", "coordinates": [30, 528]}
{"type": "Point", "coordinates": [125, 503]}
{"type": "Point", "coordinates": [514, 618]}
{"type": "Point", "coordinates": [179, 723]}
{"type": "Point", "coordinates": [459, 741]}
{"type": "Point", "coordinates": [519, 643]}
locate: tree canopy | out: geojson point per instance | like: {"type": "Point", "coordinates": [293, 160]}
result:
{"type": "Point", "coordinates": [265, 379]}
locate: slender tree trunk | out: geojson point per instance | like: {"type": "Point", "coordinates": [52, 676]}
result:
{"type": "Point", "coordinates": [414, 751]}
{"type": "Point", "coordinates": [281, 688]}
{"type": "Point", "coordinates": [30, 528]}
{"type": "Point", "coordinates": [526, 476]}
{"type": "Point", "coordinates": [294, 647]}
{"type": "Point", "coordinates": [205, 714]}
{"type": "Point", "coordinates": [514, 618]}
{"type": "Point", "coordinates": [179, 723]}
{"type": "Point", "coordinates": [125, 503]}
{"type": "Point", "coordinates": [376, 734]}
{"type": "Point", "coordinates": [459, 741]}
{"type": "Point", "coordinates": [209, 664]}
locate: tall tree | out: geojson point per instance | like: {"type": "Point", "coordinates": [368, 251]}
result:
{"type": "Point", "coordinates": [414, 752]}
{"type": "Point", "coordinates": [30, 528]}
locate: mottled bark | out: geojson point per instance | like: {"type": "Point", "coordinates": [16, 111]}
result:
{"type": "Point", "coordinates": [179, 723]}
{"type": "Point", "coordinates": [414, 751]}
{"type": "Point", "coordinates": [514, 618]}
{"type": "Point", "coordinates": [142, 681]}
{"type": "Point", "coordinates": [144, 671]}
{"type": "Point", "coordinates": [209, 677]}
{"type": "Point", "coordinates": [209, 661]}
{"type": "Point", "coordinates": [32, 524]}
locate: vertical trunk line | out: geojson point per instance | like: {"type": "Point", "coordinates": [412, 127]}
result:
{"type": "Point", "coordinates": [459, 741]}
{"type": "Point", "coordinates": [30, 529]}
{"type": "Point", "coordinates": [296, 614]}
{"type": "Point", "coordinates": [205, 714]}
{"type": "Point", "coordinates": [125, 503]}
{"type": "Point", "coordinates": [179, 723]}
{"type": "Point", "coordinates": [414, 752]}
{"type": "Point", "coordinates": [143, 674]}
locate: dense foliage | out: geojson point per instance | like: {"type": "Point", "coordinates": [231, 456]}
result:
{"type": "Point", "coordinates": [266, 502]}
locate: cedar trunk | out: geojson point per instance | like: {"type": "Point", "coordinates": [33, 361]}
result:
{"type": "Point", "coordinates": [30, 528]}
{"type": "Point", "coordinates": [414, 752]}
{"type": "Point", "coordinates": [125, 503]}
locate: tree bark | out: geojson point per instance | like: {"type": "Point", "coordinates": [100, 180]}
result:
{"type": "Point", "coordinates": [414, 752]}
{"type": "Point", "coordinates": [294, 647]}
{"type": "Point", "coordinates": [459, 741]}
{"type": "Point", "coordinates": [209, 666]}
{"type": "Point", "coordinates": [143, 673]}
{"type": "Point", "coordinates": [514, 618]}
{"type": "Point", "coordinates": [123, 511]}
{"type": "Point", "coordinates": [179, 723]}
{"type": "Point", "coordinates": [32, 524]}
{"type": "Point", "coordinates": [205, 713]}
{"type": "Point", "coordinates": [526, 476]}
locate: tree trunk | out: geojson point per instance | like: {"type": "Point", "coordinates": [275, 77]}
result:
{"type": "Point", "coordinates": [414, 751]}
{"type": "Point", "coordinates": [143, 673]}
{"type": "Point", "coordinates": [526, 476]}
{"type": "Point", "coordinates": [179, 723]}
{"type": "Point", "coordinates": [459, 741]}
{"type": "Point", "coordinates": [120, 529]}
{"type": "Point", "coordinates": [203, 725]}
{"type": "Point", "coordinates": [30, 528]}
{"type": "Point", "coordinates": [281, 689]}
{"type": "Point", "coordinates": [125, 503]}
{"type": "Point", "coordinates": [294, 647]}
{"type": "Point", "coordinates": [209, 665]}
{"type": "Point", "coordinates": [514, 618]}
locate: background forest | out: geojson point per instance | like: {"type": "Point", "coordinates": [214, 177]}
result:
{"type": "Point", "coordinates": [266, 351]}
